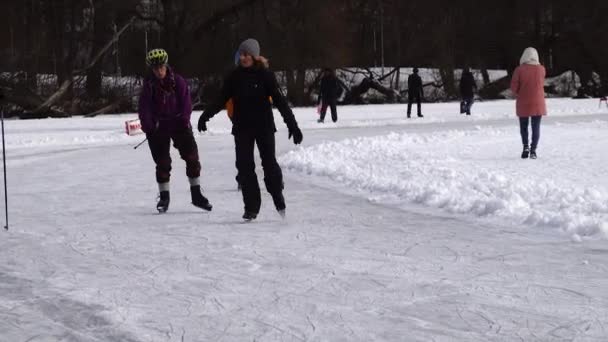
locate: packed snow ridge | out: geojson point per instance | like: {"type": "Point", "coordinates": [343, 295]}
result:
{"type": "Point", "coordinates": [478, 173]}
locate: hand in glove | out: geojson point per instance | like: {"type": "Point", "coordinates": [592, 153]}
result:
{"type": "Point", "coordinates": [297, 135]}
{"type": "Point", "coordinates": [202, 123]}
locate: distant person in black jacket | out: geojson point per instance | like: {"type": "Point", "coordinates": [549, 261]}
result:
{"type": "Point", "coordinates": [414, 92]}
{"type": "Point", "coordinates": [467, 91]}
{"type": "Point", "coordinates": [329, 94]}
{"type": "Point", "coordinates": [249, 86]}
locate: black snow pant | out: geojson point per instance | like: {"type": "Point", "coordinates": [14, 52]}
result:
{"type": "Point", "coordinates": [334, 110]}
{"type": "Point", "coordinates": [523, 128]}
{"type": "Point", "coordinates": [236, 178]}
{"type": "Point", "coordinates": [411, 99]}
{"type": "Point", "coordinates": [183, 141]}
{"type": "Point", "coordinates": [245, 162]}
{"type": "Point", "coordinates": [467, 104]}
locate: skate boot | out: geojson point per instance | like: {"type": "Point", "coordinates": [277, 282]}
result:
{"type": "Point", "coordinates": [198, 200]}
{"type": "Point", "coordinates": [279, 203]}
{"type": "Point", "coordinates": [163, 204]}
{"type": "Point", "coordinates": [249, 216]}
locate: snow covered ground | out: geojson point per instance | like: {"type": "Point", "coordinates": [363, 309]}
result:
{"type": "Point", "coordinates": [398, 230]}
{"type": "Point", "coordinates": [477, 172]}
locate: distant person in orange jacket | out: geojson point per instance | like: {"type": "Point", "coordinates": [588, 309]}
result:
{"type": "Point", "coordinates": [528, 85]}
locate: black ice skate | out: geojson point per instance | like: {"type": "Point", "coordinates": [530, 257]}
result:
{"type": "Point", "coordinates": [163, 204]}
{"type": "Point", "coordinates": [198, 200]}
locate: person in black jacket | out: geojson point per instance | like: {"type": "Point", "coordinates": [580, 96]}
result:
{"type": "Point", "coordinates": [250, 86]}
{"type": "Point", "coordinates": [414, 91]}
{"type": "Point", "coordinates": [467, 91]}
{"type": "Point", "coordinates": [329, 93]}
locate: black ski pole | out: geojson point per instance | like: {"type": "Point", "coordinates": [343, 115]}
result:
{"type": "Point", "coordinates": [141, 143]}
{"type": "Point", "coordinates": [4, 163]}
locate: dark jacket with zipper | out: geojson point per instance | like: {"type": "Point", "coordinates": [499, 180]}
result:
{"type": "Point", "coordinates": [330, 88]}
{"type": "Point", "coordinates": [249, 89]}
{"type": "Point", "coordinates": [414, 85]}
{"type": "Point", "coordinates": [467, 85]}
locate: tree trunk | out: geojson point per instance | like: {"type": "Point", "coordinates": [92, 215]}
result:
{"type": "Point", "coordinates": [398, 80]}
{"type": "Point", "coordinates": [493, 90]}
{"type": "Point", "coordinates": [296, 87]}
{"type": "Point", "coordinates": [603, 90]}
{"type": "Point", "coordinates": [100, 37]}
{"type": "Point", "coordinates": [300, 88]}
{"type": "Point", "coordinates": [31, 35]}
{"type": "Point", "coordinates": [94, 82]}
{"type": "Point", "coordinates": [354, 95]}
{"type": "Point", "coordinates": [486, 76]}
{"type": "Point", "coordinates": [448, 80]}
{"type": "Point", "coordinates": [291, 86]}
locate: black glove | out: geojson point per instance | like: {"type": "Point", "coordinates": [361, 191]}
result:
{"type": "Point", "coordinates": [202, 123]}
{"type": "Point", "coordinates": [297, 135]}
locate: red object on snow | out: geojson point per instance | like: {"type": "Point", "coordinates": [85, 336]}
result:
{"type": "Point", "coordinates": [605, 100]}
{"type": "Point", "coordinates": [133, 127]}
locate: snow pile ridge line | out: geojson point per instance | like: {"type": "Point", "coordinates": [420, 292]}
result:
{"type": "Point", "coordinates": [418, 169]}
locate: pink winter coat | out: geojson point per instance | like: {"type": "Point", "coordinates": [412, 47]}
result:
{"type": "Point", "coordinates": [528, 85]}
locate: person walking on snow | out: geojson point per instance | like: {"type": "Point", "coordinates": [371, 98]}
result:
{"type": "Point", "coordinates": [249, 86]}
{"type": "Point", "coordinates": [414, 91]}
{"type": "Point", "coordinates": [165, 108]}
{"type": "Point", "coordinates": [528, 86]}
{"type": "Point", "coordinates": [329, 93]}
{"type": "Point", "coordinates": [467, 91]}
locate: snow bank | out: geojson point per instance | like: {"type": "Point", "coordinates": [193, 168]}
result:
{"type": "Point", "coordinates": [109, 130]}
{"type": "Point", "coordinates": [478, 173]}
{"type": "Point", "coordinates": [77, 131]}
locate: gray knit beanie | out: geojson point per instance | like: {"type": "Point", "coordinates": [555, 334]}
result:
{"type": "Point", "coordinates": [250, 47]}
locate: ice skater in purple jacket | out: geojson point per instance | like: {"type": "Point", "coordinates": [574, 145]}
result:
{"type": "Point", "coordinates": [165, 108]}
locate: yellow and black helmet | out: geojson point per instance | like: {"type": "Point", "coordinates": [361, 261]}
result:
{"type": "Point", "coordinates": [157, 57]}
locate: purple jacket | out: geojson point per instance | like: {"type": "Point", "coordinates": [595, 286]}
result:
{"type": "Point", "coordinates": [165, 103]}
